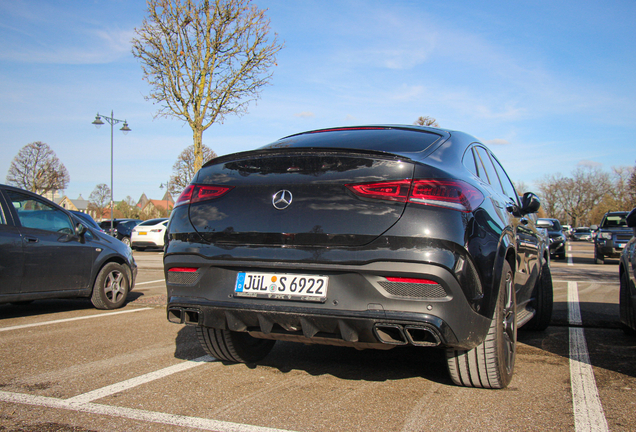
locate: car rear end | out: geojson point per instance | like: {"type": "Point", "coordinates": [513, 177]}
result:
{"type": "Point", "coordinates": [329, 245]}
{"type": "Point", "coordinates": [149, 234]}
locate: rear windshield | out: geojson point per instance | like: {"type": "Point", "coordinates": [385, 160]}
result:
{"type": "Point", "coordinates": [378, 139]}
{"type": "Point", "coordinates": [614, 221]}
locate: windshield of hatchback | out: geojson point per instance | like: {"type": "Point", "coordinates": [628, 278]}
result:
{"type": "Point", "coordinates": [614, 221]}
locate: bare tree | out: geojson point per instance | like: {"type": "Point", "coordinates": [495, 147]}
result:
{"type": "Point", "coordinates": [36, 168]}
{"type": "Point", "coordinates": [549, 192]}
{"type": "Point", "coordinates": [426, 121]}
{"type": "Point", "coordinates": [99, 199]}
{"type": "Point", "coordinates": [204, 60]}
{"type": "Point", "coordinates": [183, 169]}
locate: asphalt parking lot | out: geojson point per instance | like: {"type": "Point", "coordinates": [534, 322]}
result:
{"type": "Point", "coordinates": [69, 367]}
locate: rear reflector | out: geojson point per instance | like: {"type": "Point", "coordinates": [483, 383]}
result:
{"type": "Point", "coordinates": [411, 280]}
{"type": "Point", "coordinates": [453, 194]}
{"type": "Point", "coordinates": [183, 269]}
{"type": "Point", "coordinates": [197, 193]}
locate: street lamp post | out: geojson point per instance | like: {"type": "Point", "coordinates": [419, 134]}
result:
{"type": "Point", "coordinates": [125, 129]}
{"type": "Point", "coordinates": [167, 186]}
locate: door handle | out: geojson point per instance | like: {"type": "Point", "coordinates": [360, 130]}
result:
{"type": "Point", "coordinates": [31, 239]}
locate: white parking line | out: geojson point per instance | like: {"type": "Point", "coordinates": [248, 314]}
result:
{"type": "Point", "coordinates": [149, 282]}
{"type": "Point", "coordinates": [137, 381]}
{"type": "Point", "coordinates": [100, 315]}
{"type": "Point", "coordinates": [133, 414]}
{"type": "Point", "coordinates": [570, 261]}
{"type": "Point", "coordinates": [588, 410]}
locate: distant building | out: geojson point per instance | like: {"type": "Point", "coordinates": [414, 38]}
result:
{"type": "Point", "coordinates": [151, 208]}
{"type": "Point", "coordinates": [79, 204]}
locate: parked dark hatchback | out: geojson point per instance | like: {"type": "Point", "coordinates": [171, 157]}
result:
{"type": "Point", "coordinates": [627, 274]}
{"type": "Point", "coordinates": [46, 252]}
{"type": "Point", "coordinates": [611, 236]}
{"type": "Point", "coordinates": [369, 237]}
{"type": "Point", "coordinates": [122, 228]}
{"type": "Point", "coordinates": [557, 237]}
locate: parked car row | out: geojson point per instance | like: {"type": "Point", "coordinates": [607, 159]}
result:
{"type": "Point", "coordinates": [556, 235]}
{"type": "Point", "coordinates": [120, 228]}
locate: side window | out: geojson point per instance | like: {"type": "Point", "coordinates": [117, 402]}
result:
{"type": "Point", "coordinates": [508, 187]}
{"type": "Point", "coordinates": [37, 214]}
{"type": "Point", "coordinates": [3, 221]}
{"type": "Point", "coordinates": [469, 161]}
{"type": "Point", "coordinates": [483, 161]}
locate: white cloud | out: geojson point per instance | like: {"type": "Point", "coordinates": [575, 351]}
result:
{"type": "Point", "coordinates": [305, 114]}
{"type": "Point", "coordinates": [589, 163]}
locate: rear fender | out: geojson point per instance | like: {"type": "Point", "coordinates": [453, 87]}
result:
{"type": "Point", "coordinates": [505, 252]}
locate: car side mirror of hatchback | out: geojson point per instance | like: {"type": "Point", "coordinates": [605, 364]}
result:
{"type": "Point", "coordinates": [530, 203]}
{"type": "Point", "coordinates": [80, 229]}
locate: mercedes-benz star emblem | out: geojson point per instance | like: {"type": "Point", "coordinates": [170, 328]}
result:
{"type": "Point", "coordinates": [282, 199]}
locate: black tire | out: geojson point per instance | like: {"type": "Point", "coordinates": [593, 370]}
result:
{"type": "Point", "coordinates": [111, 287]}
{"type": "Point", "coordinates": [598, 258]}
{"type": "Point", "coordinates": [626, 309]}
{"type": "Point", "coordinates": [562, 256]}
{"type": "Point", "coordinates": [140, 249]}
{"type": "Point", "coordinates": [491, 363]}
{"type": "Point", "coordinates": [543, 301]}
{"type": "Point", "coordinates": [234, 347]}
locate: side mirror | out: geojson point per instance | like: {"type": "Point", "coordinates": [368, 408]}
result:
{"type": "Point", "coordinates": [80, 229]}
{"type": "Point", "coordinates": [530, 203]}
{"type": "Point", "coordinates": [631, 220]}
{"type": "Point", "coordinates": [594, 227]}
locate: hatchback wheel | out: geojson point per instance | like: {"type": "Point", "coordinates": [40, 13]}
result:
{"type": "Point", "coordinates": [111, 287]}
{"type": "Point", "coordinates": [491, 363]}
{"type": "Point", "coordinates": [235, 347]}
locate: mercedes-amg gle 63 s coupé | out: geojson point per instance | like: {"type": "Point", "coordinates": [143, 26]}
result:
{"type": "Point", "coordinates": [369, 237]}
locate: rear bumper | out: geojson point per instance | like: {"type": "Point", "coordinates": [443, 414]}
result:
{"type": "Point", "coordinates": [358, 311]}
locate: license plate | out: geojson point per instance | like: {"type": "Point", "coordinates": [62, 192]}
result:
{"type": "Point", "coordinates": [142, 233]}
{"type": "Point", "coordinates": [620, 245]}
{"type": "Point", "coordinates": [281, 286]}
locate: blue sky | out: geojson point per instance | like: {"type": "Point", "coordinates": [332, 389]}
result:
{"type": "Point", "coordinates": [548, 85]}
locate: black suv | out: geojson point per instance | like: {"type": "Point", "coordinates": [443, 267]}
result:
{"type": "Point", "coordinates": [368, 237]}
{"type": "Point", "coordinates": [557, 238]}
{"type": "Point", "coordinates": [122, 228]}
{"type": "Point", "coordinates": [611, 236]}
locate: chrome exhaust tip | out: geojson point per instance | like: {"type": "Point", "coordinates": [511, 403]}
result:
{"type": "Point", "coordinates": [391, 334]}
{"type": "Point", "coordinates": [421, 336]}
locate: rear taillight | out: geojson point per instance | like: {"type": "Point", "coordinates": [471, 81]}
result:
{"type": "Point", "coordinates": [392, 190]}
{"type": "Point", "coordinates": [197, 193]}
{"type": "Point", "coordinates": [453, 194]}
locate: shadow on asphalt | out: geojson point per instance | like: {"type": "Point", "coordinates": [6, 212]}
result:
{"type": "Point", "coordinates": [48, 306]}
